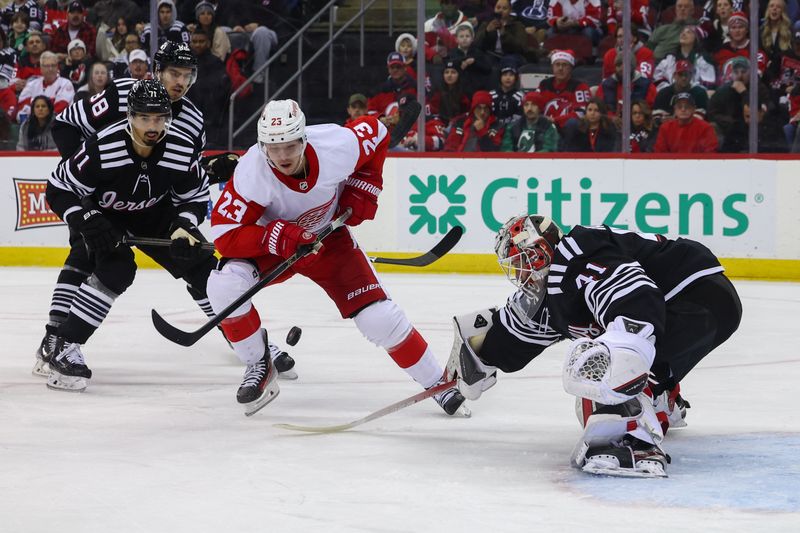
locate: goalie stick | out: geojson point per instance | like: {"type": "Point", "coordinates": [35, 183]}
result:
{"type": "Point", "coordinates": [447, 243]}
{"type": "Point", "coordinates": [188, 338]}
{"type": "Point", "coordinates": [389, 409]}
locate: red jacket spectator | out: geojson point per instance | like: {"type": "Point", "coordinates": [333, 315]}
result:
{"type": "Point", "coordinates": [586, 12]}
{"type": "Point", "coordinates": [55, 15]}
{"type": "Point", "coordinates": [565, 98]}
{"type": "Point", "coordinates": [434, 135]}
{"type": "Point", "coordinates": [477, 132]}
{"type": "Point", "coordinates": [75, 22]}
{"type": "Point", "coordinates": [645, 63]}
{"type": "Point", "coordinates": [639, 15]}
{"type": "Point", "coordinates": [697, 136]}
{"type": "Point", "coordinates": [399, 83]}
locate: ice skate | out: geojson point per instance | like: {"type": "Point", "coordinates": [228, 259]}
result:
{"type": "Point", "coordinates": [452, 401]}
{"type": "Point", "coordinates": [43, 355]}
{"type": "Point", "coordinates": [68, 371]}
{"type": "Point", "coordinates": [672, 404]}
{"type": "Point", "coordinates": [631, 457]}
{"type": "Point", "coordinates": [259, 386]}
{"type": "Point", "coordinates": [283, 362]}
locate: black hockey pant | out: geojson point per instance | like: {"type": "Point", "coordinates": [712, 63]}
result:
{"type": "Point", "coordinates": [699, 318]}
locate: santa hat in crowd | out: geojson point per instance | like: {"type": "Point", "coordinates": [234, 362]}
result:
{"type": "Point", "coordinates": [562, 55]}
{"type": "Point", "coordinates": [402, 37]}
{"type": "Point", "coordinates": [738, 16]}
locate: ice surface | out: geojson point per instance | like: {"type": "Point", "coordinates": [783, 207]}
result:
{"type": "Point", "coordinates": [158, 442]}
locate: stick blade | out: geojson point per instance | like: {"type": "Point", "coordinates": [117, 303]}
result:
{"type": "Point", "coordinates": [184, 338]}
{"type": "Point", "coordinates": [447, 243]}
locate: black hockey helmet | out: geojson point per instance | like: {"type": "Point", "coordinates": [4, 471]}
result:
{"type": "Point", "coordinates": [149, 96]}
{"type": "Point", "coordinates": [172, 54]}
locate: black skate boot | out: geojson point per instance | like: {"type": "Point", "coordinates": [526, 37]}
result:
{"type": "Point", "coordinates": [283, 362]}
{"type": "Point", "coordinates": [68, 371]}
{"type": "Point", "coordinates": [44, 353]}
{"type": "Point", "coordinates": [452, 401]}
{"type": "Point", "coordinates": [631, 457]}
{"type": "Point", "coordinates": [259, 385]}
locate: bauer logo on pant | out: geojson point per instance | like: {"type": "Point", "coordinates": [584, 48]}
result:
{"type": "Point", "coordinates": [32, 208]}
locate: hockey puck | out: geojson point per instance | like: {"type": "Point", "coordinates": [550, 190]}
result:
{"type": "Point", "coordinates": [293, 336]}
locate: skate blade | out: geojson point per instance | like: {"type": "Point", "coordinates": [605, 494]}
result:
{"type": "Point", "coordinates": [463, 411]}
{"type": "Point", "coordinates": [41, 369]}
{"type": "Point", "coordinates": [254, 407]}
{"type": "Point", "coordinates": [289, 375]}
{"type": "Point", "coordinates": [64, 383]}
{"type": "Point", "coordinates": [604, 469]}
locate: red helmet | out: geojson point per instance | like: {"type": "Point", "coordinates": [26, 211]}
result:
{"type": "Point", "coordinates": [525, 247]}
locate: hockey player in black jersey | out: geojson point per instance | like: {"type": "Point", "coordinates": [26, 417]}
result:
{"type": "Point", "coordinates": [637, 306]}
{"type": "Point", "coordinates": [139, 177]}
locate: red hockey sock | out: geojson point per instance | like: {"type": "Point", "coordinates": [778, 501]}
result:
{"type": "Point", "coordinates": [241, 327]}
{"type": "Point", "coordinates": [410, 350]}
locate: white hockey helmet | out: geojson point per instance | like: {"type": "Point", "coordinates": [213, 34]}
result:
{"type": "Point", "coordinates": [281, 121]}
{"type": "Point", "coordinates": [525, 247]}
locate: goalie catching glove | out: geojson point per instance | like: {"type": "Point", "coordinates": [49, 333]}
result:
{"type": "Point", "coordinates": [473, 375]}
{"type": "Point", "coordinates": [614, 367]}
{"type": "Point", "coordinates": [186, 241]}
{"type": "Point", "coordinates": [284, 239]}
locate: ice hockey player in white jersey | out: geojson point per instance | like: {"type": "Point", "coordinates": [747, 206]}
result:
{"type": "Point", "coordinates": [288, 186]}
{"type": "Point", "coordinates": [642, 311]}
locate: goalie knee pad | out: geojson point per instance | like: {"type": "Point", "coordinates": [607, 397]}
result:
{"type": "Point", "coordinates": [228, 283]}
{"type": "Point", "coordinates": [610, 369]}
{"type": "Point", "coordinates": [474, 376]}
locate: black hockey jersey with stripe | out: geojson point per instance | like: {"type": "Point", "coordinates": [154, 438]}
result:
{"type": "Point", "coordinates": [82, 119]}
{"type": "Point", "coordinates": [599, 273]}
{"type": "Point", "coordinates": [113, 177]}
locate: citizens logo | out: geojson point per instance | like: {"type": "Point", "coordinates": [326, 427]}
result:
{"type": "Point", "coordinates": [436, 195]}
{"type": "Point", "coordinates": [32, 208]}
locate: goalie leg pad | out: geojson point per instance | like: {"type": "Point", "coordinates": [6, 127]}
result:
{"type": "Point", "coordinates": [609, 424]}
{"type": "Point", "coordinates": [474, 376]}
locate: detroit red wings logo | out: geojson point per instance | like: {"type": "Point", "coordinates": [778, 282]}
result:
{"type": "Point", "coordinates": [315, 218]}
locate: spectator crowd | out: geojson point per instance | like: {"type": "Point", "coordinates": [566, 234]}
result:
{"type": "Point", "coordinates": [56, 52]}
{"type": "Point", "coordinates": [546, 76]}
{"type": "Point", "coordinates": [501, 75]}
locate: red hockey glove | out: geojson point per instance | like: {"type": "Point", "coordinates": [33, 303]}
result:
{"type": "Point", "coordinates": [284, 238]}
{"type": "Point", "coordinates": [362, 198]}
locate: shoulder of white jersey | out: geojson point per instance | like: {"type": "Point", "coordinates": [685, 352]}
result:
{"type": "Point", "coordinates": [252, 178]}
{"type": "Point", "coordinates": [334, 143]}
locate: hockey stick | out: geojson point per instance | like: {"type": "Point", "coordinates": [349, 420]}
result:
{"type": "Point", "coordinates": [152, 241]}
{"type": "Point", "coordinates": [187, 338]}
{"type": "Point", "coordinates": [442, 247]}
{"type": "Point", "coordinates": [389, 409]}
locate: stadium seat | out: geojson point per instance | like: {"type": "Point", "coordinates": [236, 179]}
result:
{"type": "Point", "coordinates": [532, 74]}
{"type": "Point", "coordinates": [606, 44]}
{"type": "Point", "coordinates": [579, 44]}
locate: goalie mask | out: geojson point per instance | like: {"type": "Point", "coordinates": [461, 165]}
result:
{"type": "Point", "coordinates": [525, 246]}
{"type": "Point", "coordinates": [281, 124]}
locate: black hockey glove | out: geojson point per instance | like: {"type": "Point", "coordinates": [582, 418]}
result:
{"type": "Point", "coordinates": [97, 231]}
{"type": "Point", "coordinates": [220, 167]}
{"type": "Point", "coordinates": [187, 241]}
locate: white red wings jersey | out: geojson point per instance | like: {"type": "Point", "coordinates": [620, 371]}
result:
{"type": "Point", "coordinates": [258, 194]}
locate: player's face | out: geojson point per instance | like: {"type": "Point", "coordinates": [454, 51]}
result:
{"type": "Point", "coordinates": [562, 70]}
{"type": "Point", "coordinates": [177, 81]}
{"type": "Point", "coordinates": [148, 128]}
{"type": "Point", "coordinates": [286, 156]}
